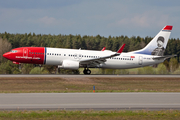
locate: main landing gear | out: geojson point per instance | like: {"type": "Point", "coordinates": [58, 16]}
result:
{"type": "Point", "coordinates": [86, 71]}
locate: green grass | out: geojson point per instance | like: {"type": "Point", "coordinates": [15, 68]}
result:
{"type": "Point", "coordinates": [91, 114]}
{"type": "Point", "coordinates": [66, 85]}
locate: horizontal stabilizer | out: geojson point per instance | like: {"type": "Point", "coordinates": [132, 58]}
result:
{"type": "Point", "coordinates": [163, 57]}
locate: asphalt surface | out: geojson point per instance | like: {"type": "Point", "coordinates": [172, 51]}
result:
{"type": "Point", "coordinates": [84, 101]}
{"type": "Point", "coordinates": [82, 76]}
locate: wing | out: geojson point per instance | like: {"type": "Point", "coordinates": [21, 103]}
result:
{"type": "Point", "coordinates": [103, 48]}
{"type": "Point", "coordinates": [100, 60]}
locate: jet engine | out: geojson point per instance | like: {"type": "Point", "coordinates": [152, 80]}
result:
{"type": "Point", "coordinates": [69, 64]}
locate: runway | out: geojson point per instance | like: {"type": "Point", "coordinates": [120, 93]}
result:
{"type": "Point", "coordinates": [84, 101]}
{"type": "Point", "coordinates": [83, 76]}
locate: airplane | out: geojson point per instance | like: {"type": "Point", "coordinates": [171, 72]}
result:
{"type": "Point", "coordinates": [151, 54]}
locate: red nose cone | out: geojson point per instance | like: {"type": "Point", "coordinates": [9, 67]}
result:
{"type": "Point", "coordinates": [6, 55]}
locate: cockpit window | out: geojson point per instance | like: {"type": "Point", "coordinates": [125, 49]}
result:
{"type": "Point", "coordinates": [13, 51]}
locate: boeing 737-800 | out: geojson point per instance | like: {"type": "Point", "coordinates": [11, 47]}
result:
{"type": "Point", "coordinates": [152, 54]}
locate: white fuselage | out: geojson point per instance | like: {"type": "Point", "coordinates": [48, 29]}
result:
{"type": "Point", "coordinates": [55, 56]}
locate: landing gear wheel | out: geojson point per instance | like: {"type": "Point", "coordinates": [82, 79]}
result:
{"type": "Point", "coordinates": [87, 71]}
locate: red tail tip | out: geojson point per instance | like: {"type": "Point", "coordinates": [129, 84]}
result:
{"type": "Point", "coordinates": [168, 27]}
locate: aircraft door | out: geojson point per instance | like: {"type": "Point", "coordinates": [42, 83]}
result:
{"type": "Point", "coordinates": [25, 53]}
{"type": "Point", "coordinates": [140, 60]}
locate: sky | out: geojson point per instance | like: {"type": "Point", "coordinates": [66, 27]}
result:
{"type": "Point", "coordinates": [90, 17]}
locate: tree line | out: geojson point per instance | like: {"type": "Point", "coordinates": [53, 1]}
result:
{"type": "Point", "coordinates": [9, 41]}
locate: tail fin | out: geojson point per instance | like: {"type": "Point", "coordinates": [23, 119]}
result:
{"type": "Point", "coordinates": [158, 44]}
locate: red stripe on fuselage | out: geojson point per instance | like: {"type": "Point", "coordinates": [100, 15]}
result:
{"type": "Point", "coordinates": [34, 55]}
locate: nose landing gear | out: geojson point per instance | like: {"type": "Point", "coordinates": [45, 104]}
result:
{"type": "Point", "coordinates": [86, 71]}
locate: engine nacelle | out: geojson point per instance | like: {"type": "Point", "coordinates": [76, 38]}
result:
{"type": "Point", "coordinates": [69, 64]}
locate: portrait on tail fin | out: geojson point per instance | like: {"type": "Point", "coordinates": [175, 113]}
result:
{"type": "Point", "coordinates": [159, 51]}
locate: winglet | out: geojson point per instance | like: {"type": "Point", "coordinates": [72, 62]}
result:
{"type": "Point", "coordinates": [121, 48]}
{"type": "Point", "coordinates": [103, 48]}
